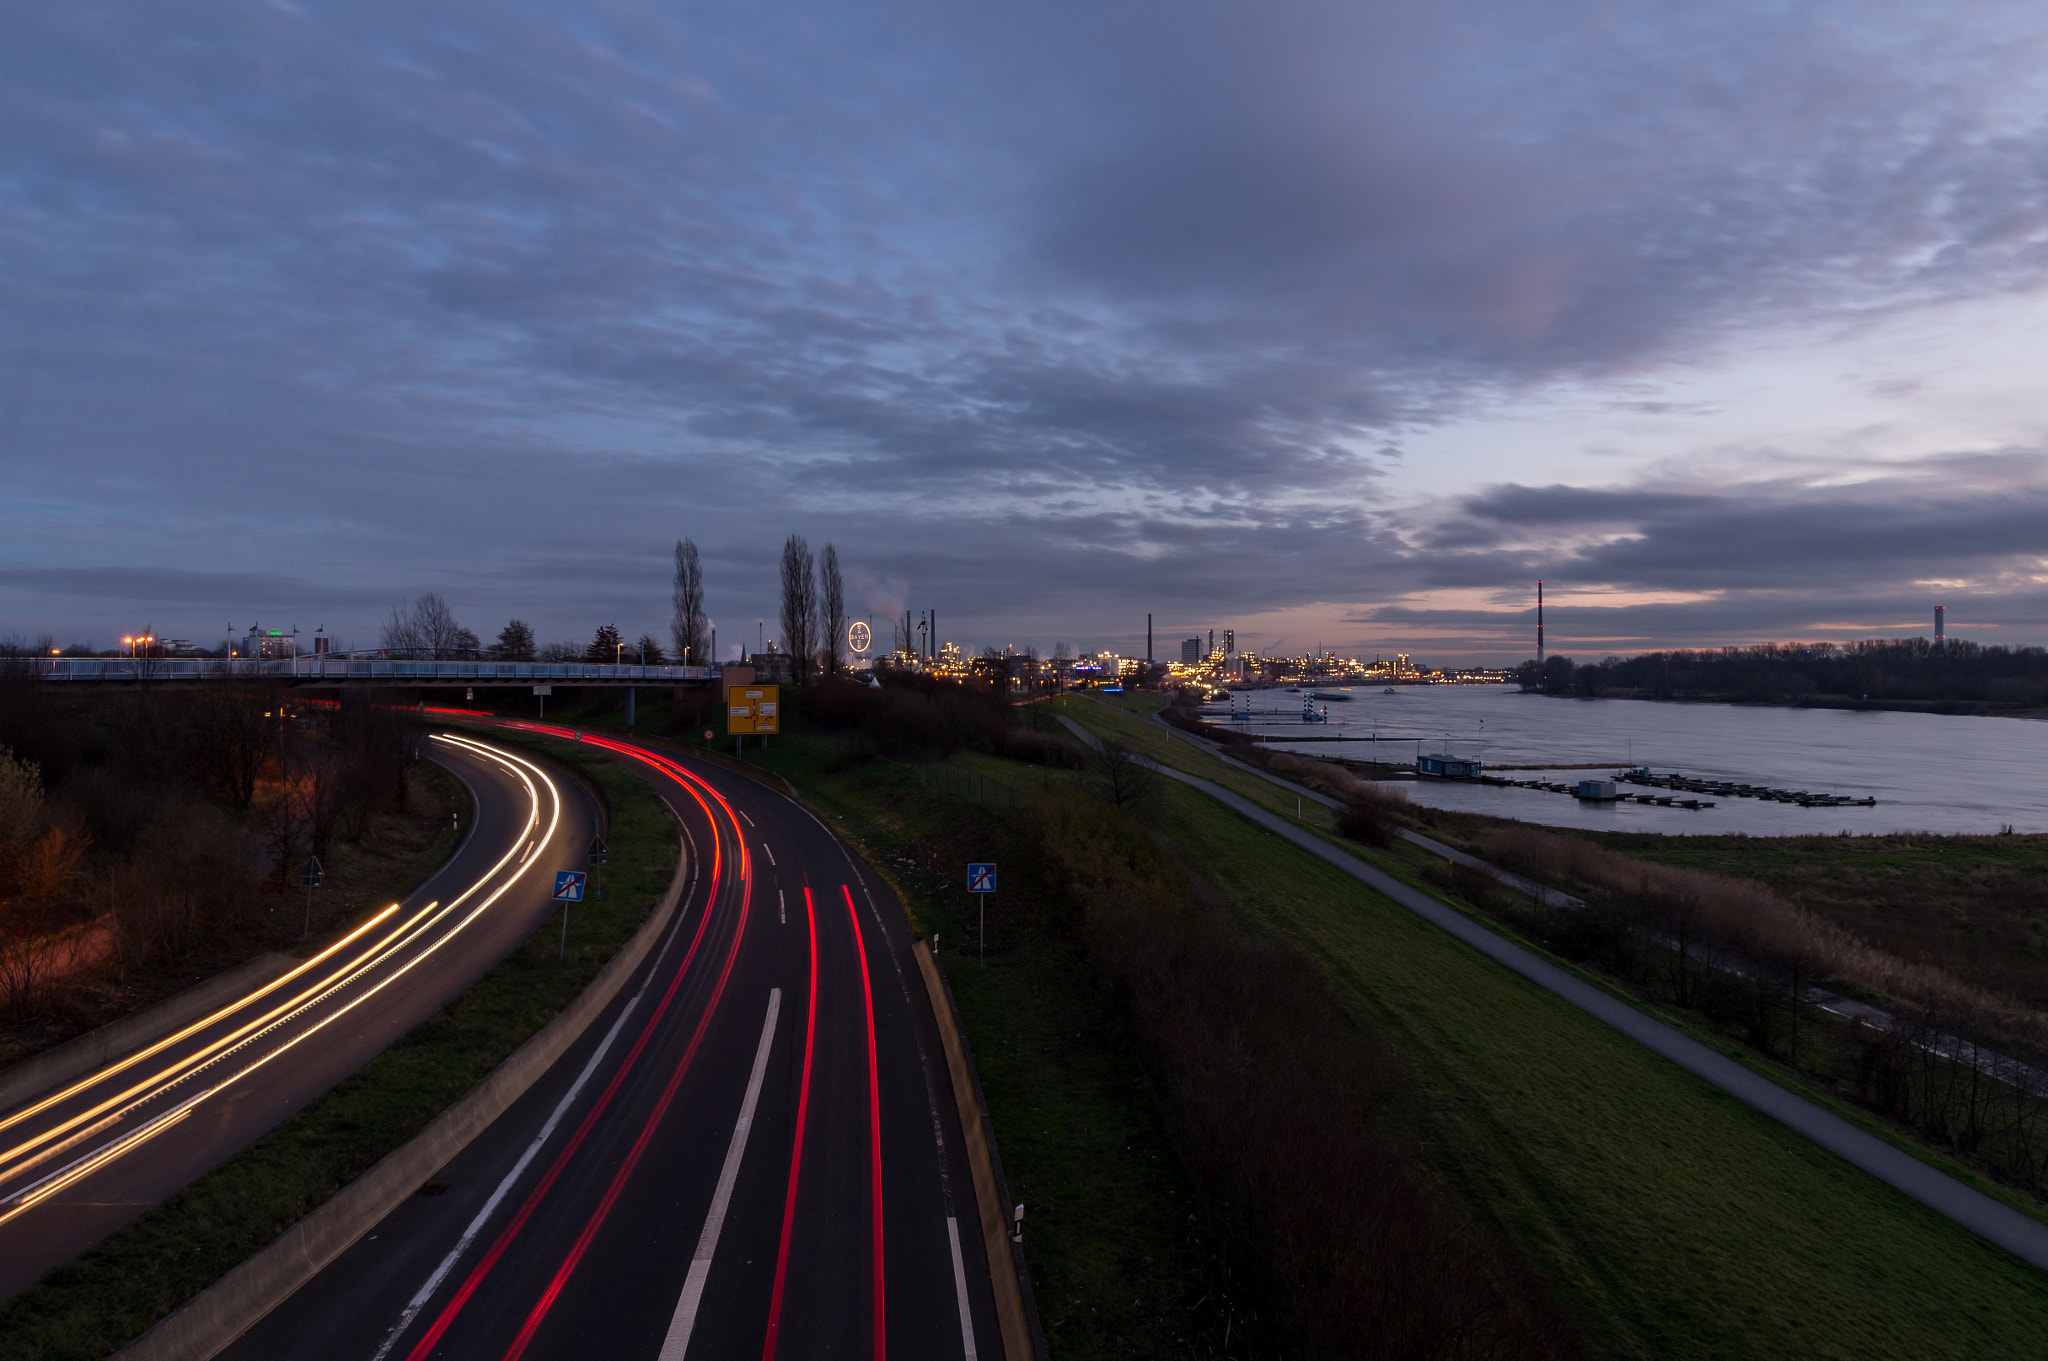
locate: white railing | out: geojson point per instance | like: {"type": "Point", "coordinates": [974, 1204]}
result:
{"type": "Point", "coordinates": [337, 669]}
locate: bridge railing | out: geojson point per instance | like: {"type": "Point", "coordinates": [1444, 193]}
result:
{"type": "Point", "coordinates": [304, 669]}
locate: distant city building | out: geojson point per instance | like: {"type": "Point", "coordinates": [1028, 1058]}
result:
{"type": "Point", "coordinates": [1229, 640]}
{"type": "Point", "coordinates": [1190, 650]}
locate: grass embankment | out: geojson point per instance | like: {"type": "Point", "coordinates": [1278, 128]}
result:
{"type": "Point", "coordinates": [116, 1290]}
{"type": "Point", "coordinates": [1673, 1220]}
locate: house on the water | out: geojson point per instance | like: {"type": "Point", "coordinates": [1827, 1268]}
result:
{"type": "Point", "coordinates": [1450, 767]}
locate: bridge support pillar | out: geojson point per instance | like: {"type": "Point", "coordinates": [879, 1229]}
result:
{"type": "Point", "coordinates": [630, 693]}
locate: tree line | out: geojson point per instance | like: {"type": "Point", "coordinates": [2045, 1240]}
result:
{"type": "Point", "coordinates": [812, 618]}
{"type": "Point", "coordinates": [1909, 669]}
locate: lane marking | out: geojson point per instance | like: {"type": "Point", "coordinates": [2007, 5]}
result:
{"type": "Point", "coordinates": [546, 1302]}
{"type": "Point", "coordinates": [960, 1288]}
{"type": "Point", "coordinates": [426, 1292]}
{"type": "Point", "coordinates": [781, 908]}
{"type": "Point", "coordinates": [769, 852]}
{"type": "Point", "coordinates": [685, 1320]}
{"type": "Point", "coordinates": [867, 993]}
{"type": "Point", "coordinates": [750, 821]}
{"type": "Point", "coordinates": [796, 1152]}
{"type": "Point", "coordinates": [482, 1269]}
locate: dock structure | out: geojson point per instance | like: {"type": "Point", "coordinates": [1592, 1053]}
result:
{"type": "Point", "coordinates": [1605, 791]}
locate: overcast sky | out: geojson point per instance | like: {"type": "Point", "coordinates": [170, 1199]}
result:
{"type": "Point", "coordinates": [1336, 323]}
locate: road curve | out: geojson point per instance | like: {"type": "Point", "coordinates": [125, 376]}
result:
{"type": "Point", "coordinates": [78, 1162]}
{"type": "Point", "coordinates": [753, 1151]}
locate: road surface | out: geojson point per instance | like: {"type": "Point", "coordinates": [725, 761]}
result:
{"type": "Point", "coordinates": [80, 1162]}
{"type": "Point", "coordinates": [753, 1151]}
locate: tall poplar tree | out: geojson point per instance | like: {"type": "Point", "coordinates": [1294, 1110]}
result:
{"type": "Point", "coordinates": [799, 605]}
{"type": "Point", "coordinates": [834, 612]}
{"type": "Point", "coordinates": [687, 625]}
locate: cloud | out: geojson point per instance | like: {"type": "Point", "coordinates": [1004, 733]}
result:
{"type": "Point", "coordinates": [1046, 316]}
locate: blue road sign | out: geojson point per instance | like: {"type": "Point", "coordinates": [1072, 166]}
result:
{"type": "Point", "coordinates": [569, 885]}
{"type": "Point", "coordinates": [981, 878]}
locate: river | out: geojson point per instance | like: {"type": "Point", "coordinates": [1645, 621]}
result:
{"type": "Point", "coordinates": [1928, 772]}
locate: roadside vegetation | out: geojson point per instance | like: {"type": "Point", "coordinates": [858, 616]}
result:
{"type": "Point", "coordinates": [148, 840]}
{"type": "Point", "coordinates": [116, 1290]}
{"type": "Point", "coordinates": [1671, 1220]}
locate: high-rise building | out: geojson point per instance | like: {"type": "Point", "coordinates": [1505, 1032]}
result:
{"type": "Point", "coordinates": [1229, 640]}
{"type": "Point", "coordinates": [1191, 650]}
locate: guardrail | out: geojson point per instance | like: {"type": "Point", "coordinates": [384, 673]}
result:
{"type": "Point", "coordinates": [340, 670]}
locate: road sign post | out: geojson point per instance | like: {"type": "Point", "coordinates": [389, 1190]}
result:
{"type": "Point", "coordinates": [568, 889]}
{"type": "Point", "coordinates": [310, 875]}
{"type": "Point", "coordinates": [981, 879]}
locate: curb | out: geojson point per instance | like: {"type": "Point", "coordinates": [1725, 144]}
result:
{"type": "Point", "coordinates": [1016, 1308]}
{"type": "Point", "coordinates": [217, 1315]}
{"type": "Point", "coordinates": [93, 1050]}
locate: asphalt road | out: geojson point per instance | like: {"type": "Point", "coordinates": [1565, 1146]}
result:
{"type": "Point", "coordinates": [82, 1161]}
{"type": "Point", "coordinates": [754, 1151]}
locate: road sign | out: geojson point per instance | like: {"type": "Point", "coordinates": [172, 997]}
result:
{"type": "Point", "coordinates": [543, 689]}
{"type": "Point", "coordinates": [310, 875]}
{"type": "Point", "coordinates": [569, 886]}
{"type": "Point", "coordinates": [599, 852]}
{"type": "Point", "coordinates": [981, 878]}
{"type": "Point", "coordinates": [752, 709]}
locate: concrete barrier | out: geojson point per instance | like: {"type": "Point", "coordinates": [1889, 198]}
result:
{"type": "Point", "coordinates": [1016, 1312]}
{"type": "Point", "coordinates": [216, 1316]}
{"type": "Point", "coordinates": [88, 1053]}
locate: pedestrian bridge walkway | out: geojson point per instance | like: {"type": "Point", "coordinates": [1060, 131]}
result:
{"type": "Point", "coordinates": [354, 671]}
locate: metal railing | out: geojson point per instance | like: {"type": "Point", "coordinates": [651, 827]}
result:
{"type": "Point", "coordinates": [349, 669]}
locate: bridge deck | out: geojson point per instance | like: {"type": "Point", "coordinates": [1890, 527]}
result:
{"type": "Point", "coordinates": [356, 671]}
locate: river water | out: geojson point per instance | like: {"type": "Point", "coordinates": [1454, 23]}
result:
{"type": "Point", "coordinates": [1928, 772]}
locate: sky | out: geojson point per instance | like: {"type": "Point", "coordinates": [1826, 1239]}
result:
{"type": "Point", "coordinates": [1336, 324]}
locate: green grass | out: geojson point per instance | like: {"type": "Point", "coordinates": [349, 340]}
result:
{"type": "Point", "coordinates": [119, 1288]}
{"type": "Point", "coordinates": [1672, 1220]}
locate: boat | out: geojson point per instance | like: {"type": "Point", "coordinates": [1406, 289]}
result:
{"type": "Point", "coordinates": [1328, 694]}
{"type": "Point", "coordinates": [1390, 690]}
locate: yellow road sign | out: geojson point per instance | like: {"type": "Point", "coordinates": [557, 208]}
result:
{"type": "Point", "coordinates": [752, 709]}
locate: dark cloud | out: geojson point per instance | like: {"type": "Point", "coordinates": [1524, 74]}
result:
{"type": "Point", "coordinates": [1057, 312]}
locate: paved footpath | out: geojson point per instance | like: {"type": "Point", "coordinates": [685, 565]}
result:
{"type": "Point", "coordinates": [2019, 1234]}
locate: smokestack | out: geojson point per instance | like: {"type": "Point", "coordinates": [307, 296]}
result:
{"type": "Point", "coordinates": [1212, 640]}
{"type": "Point", "coordinates": [1148, 635]}
{"type": "Point", "coordinates": [1940, 629]}
{"type": "Point", "coordinates": [935, 635]}
{"type": "Point", "coordinates": [1539, 621]}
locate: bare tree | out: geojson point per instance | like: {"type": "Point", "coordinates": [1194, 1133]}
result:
{"type": "Point", "coordinates": [687, 624]}
{"type": "Point", "coordinates": [799, 605]}
{"type": "Point", "coordinates": [427, 630]}
{"type": "Point", "coordinates": [834, 611]}
{"type": "Point", "coordinates": [1123, 777]}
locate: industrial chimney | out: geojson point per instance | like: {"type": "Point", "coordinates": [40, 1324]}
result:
{"type": "Point", "coordinates": [1539, 623]}
{"type": "Point", "coordinates": [1940, 627]}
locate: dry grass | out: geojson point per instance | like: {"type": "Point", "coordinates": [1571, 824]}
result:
{"type": "Point", "coordinates": [1759, 921]}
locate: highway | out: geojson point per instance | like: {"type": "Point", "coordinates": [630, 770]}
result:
{"type": "Point", "coordinates": [83, 1160]}
{"type": "Point", "coordinates": [753, 1151]}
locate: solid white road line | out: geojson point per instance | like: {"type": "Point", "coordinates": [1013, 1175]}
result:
{"type": "Point", "coordinates": [426, 1292]}
{"type": "Point", "coordinates": [960, 1288]}
{"type": "Point", "coordinates": [476, 1225]}
{"type": "Point", "coordinates": [678, 1340]}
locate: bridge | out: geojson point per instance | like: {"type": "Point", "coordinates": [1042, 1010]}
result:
{"type": "Point", "coordinates": [350, 671]}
